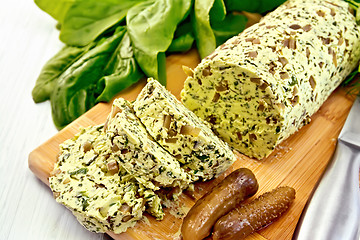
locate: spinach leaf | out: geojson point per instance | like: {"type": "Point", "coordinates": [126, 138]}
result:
{"type": "Point", "coordinates": [218, 11]}
{"type": "Point", "coordinates": [53, 69]}
{"type": "Point", "coordinates": [254, 6]}
{"type": "Point", "coordinates": [182, 43]}
{"type": "Point", "coordinates": [122, 72]}
{"type": "Point", "coordinates": [87, 19]}
{"type": "Point", "coordinates": [151, 26]}
{"type": "Point", "coordinates": [204, 10]}
{"type": "Point", "coordinates": [183, 38]}
{"type": "Point", "coordinates": [232, 25]}
{"type": "Point", "coordinates": [75, 90]}
{"type": "Point", "coordinates": [57, 9]}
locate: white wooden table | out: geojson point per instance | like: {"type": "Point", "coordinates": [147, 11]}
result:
{"type": "Point", "coordinates": [28, 38]}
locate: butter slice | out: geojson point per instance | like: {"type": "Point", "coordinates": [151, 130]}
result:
{"type": "Point", "coordinates": [102, 197]}
{"type": "Point", "coordinates": [184, 135]}
{"type": "Point", "coordinates": [142, 157]}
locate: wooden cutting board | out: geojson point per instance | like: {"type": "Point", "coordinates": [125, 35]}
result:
{"type": "Point", "coordinates": [298, 162]}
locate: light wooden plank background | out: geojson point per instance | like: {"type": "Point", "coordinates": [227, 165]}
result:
{"type": "Point", "coordinates": [28, 38]}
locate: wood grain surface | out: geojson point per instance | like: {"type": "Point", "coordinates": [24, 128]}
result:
{"type": "Point", "coordinates": [298, 162]}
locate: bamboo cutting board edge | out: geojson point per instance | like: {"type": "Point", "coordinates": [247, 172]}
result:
{"type": "Point", "coordinates": [287, 163]}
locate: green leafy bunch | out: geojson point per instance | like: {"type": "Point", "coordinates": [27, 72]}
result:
{"type": "Point", "coordinates": [112, 44]}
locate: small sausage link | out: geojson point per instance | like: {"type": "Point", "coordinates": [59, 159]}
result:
{"type": "Point", "coordinates": [235, 188]}
{"type": "Point", "coordinates": [251, 217]}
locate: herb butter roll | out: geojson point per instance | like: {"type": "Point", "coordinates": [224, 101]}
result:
{"type": "Point", "coordinates": [185, 136]}
{"type": "Point", "coordinates": [90, 181]}
{"type": "Point", "coordinates": [142, 157]}
{"type": "Point", "coordinates": [263, 85]}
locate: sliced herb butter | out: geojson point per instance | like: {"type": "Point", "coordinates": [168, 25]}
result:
{"type": "Point", "coordinates": [108, 175]}
{"type": "Point", "coordinates": [142, 157]}
{"type": "Point", "coordinates": [263, 85]}
{"type": "Point", "coordinates": [185, 136]}
{"type": "Point", "coordinates": [89, 179]}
